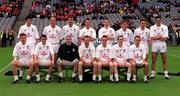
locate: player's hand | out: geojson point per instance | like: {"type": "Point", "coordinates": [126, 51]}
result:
{"type": "Point", "coordinates": [163, 39]}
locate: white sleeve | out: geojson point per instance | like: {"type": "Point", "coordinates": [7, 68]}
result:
{"type": "Point", "coordinates": [114, 52]}
{"type": "Point", "coordinates": [151, 32]}
{"type": "Point", "coordinates": [44, 31]}
{"type": "Point", "coordinates": [93, 52]}
{"type": "Point", "coordinates": [148, 35]}
{"type": "Point", "coordinates": [131, 37]}
{"type": "Point", "coordinates": [32, 49]}
{"type": "Point", "coordinates": [144, 52]}
{"type": "Point", "coordinates": [166, 32]}
{"type": "Point", "coordinates": [80, 33]}
{"type": "Point", "coordinates": [36, 49]}
{"type": "Point", "coordinates": [130, 53]}
{"type": "Point", "coordinates": [15, 50]}
{"type": "Point", "coordinates": [36, 32]}
{"type": "Point", "coordinates": [127, 53]}
{"type": "Point", "coordinates": [51, 49]}
{"type": "Point", "coordinates": [80, 50]}
{"type": "Point", "coordinates": [20, 31]}
{"type": "Point", "coordinates": [93, 34]}
{"type": "Point", "coordinates": [97, 52]}
{"type": "Point", "coordinates": [100, 34]}
{"type": "Point", "coordinates": [111, 55]}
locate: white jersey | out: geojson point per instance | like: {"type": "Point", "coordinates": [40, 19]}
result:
{"type": "Point", "coordinates": [72, 31]}
{"type": "Point", "coordinates": [144, 34]}
{"type": "Point", "coordinates": [120, 53]}
{"type": "Point", "coordinates": [23, 51]}
{"type": "Point", "coordinates": [31, 32]}
{"type": "Point", "coordinates": [127, 35]}
{"type": "Point", "coordinates": [104, 53]}
{"type": "Point", "coordinates": [44, 51]}
{"type": "Point", "coordinates": [162, 30]}
{"type": "Point", "coordinates": [87, 32]}
{"type": "Point", "coordinates": [53, 34]}
{"type": "Point", "coordinates": [137, 53]}
{"type": "Point", "coordinates": [108, 32]}
{"type": "Point", "coordinates": [87, 53]}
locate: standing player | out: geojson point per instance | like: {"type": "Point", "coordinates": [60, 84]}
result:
{"type": "Point", "coordinates": [72, 30]}
{"type": "Point", "coordinates": [53, 33]}
{"type": "Point", "coordinates": [32, 34]}
{"type": "Point", "coordinates": [44, 56]}
{"type": "Point", "coordinates": [87, 56]}
{"type": "Point", "coordinates": [88, 30]}
{"type": "Point", "coordinates": [125, 32]}
{"type": "Point", "coordinates": [159, 35]}
{"type": "Point", "coordinates": [23, 57]}
{"type": "Point", "coordinates": [104, 55]}
{"type": "Point", "coordinates": [137, 55]}
{"type": "Point", "coordinates": [144, 33]}
{"type": "Point", "coordinates": [120, 58]}
{"type": "Point", "coordinates": [107, 30]}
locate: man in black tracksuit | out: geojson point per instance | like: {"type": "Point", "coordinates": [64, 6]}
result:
{"type": "Point", "coordinates": [68, 55]}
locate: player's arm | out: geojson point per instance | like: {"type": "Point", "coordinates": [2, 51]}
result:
{"type": "Point", "coordinates": [165, 36]}
{"type": "Point", "coordinates": [52, 54]}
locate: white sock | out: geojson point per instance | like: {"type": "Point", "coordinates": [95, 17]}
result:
{"type": "Point", "coordinates": [100, 77]}
{"type": "Point", "coordinates": [21, 73]}
{"type": "Point", "coordinates": [15, 77]}
{"type": "Point", "coordinates": [73, 74]}
{"type": "Point", "coordinates": [38, 77]}
{"type": "Point", "coordinates": [47, 77]}
{"type": "Point", "coordinates": [153, 73]}
{"type": "Point", "coordinates": [166, 73]}
{"type": "Point", "coordinates": [134, 76]}
{"type": "Point", "coordinates": [60, 74]}
{"type": "Point", "coordinates": [145, 77]}
{"type": "Point", "coordinates": [128, 76]}
{"type": "Point", "coordinates": [28, 77]}
{"type": "Point", "coordinates": [80, 77]}
{"type": "Point", "coordinates": [94, 77]}
{"type": "Point", "coordinates": [116, 77]}
{"type": "Point", "coordinates": [111, 77]}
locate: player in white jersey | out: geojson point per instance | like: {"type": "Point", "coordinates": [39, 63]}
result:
{"type": "Point", "coordinates": [159, 35]}
{"type": "Point", "coordinates": [104, 56]}
{"type": "Point", "coordinates": [107, 30]}
{"type": "Point", "coordinates": [32, 34]}
{"type": "Point", "coordinates": [144, 33]}
{"type": "Point", "coordinates": [23, 57]}
{"type": "Point", "coordinates": [125, 32]}
{"type": "Point", "coordinates": [137, 56]}
{"type": "Point", "coordinates": [120, 58]}
{"type": "Point", "coordinates": [30, 30]}
{"type": "Point", "coordinates": [87, 54]}
{"type": "Point", "coordinates": [44, 56]}
{"type": "Point", "coordinates": [54, 35]}
{"type": "Point", "coordinates": [72, 30]}
{"type": "Point", "coordinates": [87, 30]}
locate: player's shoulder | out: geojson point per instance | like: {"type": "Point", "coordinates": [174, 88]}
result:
{"type": "Point", "coordinates": [163, 26]}
{"type": "Point", "coordinates": [137, 29]}
{"type": "Point", "coordinates": [129, 30]}
{"type": "Point", "coordinates": [132, 46]}
{"type": "Point", "coordinates": [119, 30]}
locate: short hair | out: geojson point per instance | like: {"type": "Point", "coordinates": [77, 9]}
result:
{"type": "Point", "coordinates": [87, 19]}
{"type": "Point", "coordinates": [106, 18]}
{"type": "Point", "coordinates": [86, 36]}
{"type": "Point", "coordinates": [28, 17]}
{"type": "Point", "coordinates": [104, 36]}
{"type": "Point", "coordinates": [70, 17]}
{"type": "Point", "coordinates": [124, 21]}
{"type": "Point", "coordinates": [43, 36]}
{"type": "Point", "coordinates": [137, 36]}
{"type": "Point", "coordinates": [158, 17]}
{"type": "Point", "coordinates": [119, 37]}
{"type": "Point", "coordinates": [142, 19]}
{"type": "Point", "coordinates": [22, 34]}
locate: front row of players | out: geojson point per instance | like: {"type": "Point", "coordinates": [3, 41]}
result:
{"type": "Point", "coordinates": [120, 55]}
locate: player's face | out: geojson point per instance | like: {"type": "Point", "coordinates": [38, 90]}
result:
{"type": "Point", "coordinates": [158, 21]}
{"type": "Point", "coordinates": [23, 38]}
{"type": "Point", "coordinates": [28, 22]}
{"type": "Point", "coordinates": [137, 41]}
{"type": "Point", "coordinates": [53, 21]}
{"type": "Point", "coordinates": [68, 39]}
{"type": "Point", "coordinates": [70, 21]}
{"type": "Point", "coordinates": [106, 23]}
{"type": "Point", "coordinates": [143, 24]}
{"type": "Point", "coordinates": [104, 40]}
{"type": "Point", "coordinates": [87, 23]}
{"type": "Point", "coordinates": [120, 40]}
{"type": "Point", "coordinates": [125, 25]}
{"type": "Point", "coordinates": [86, 40]}
{"type": "Point", "coordinates": [43, 39]}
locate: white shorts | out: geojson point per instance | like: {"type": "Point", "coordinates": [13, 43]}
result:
{"type": "Point", "coordinates": [25, 62]}
{"type": "Point", "coordinates": [44, 62]}
{"type": "Point", "coordinates": [55, 47]}
{"type": "Point", "coordinates": [159, 48]}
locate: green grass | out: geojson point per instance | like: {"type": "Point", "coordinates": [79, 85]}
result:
{"type": "Point", "coordinates": [156, 87]}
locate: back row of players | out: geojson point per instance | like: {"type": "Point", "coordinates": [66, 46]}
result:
{"type": "Point", "coordinates": [122, 48]}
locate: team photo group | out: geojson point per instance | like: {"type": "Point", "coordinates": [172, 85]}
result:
{"type": "Point", "coordinates": [71, 46]}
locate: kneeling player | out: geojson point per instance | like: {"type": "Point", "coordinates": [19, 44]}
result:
{"type": "Point", "coordinates": [87, 58]}
{"type": "Point", "coordinates": [23, 57]}
{"type": "Point", "coordinates": [120, 58]}
{"type": "Point", "coordinates": [44, 56]}
{"type": "Point", "coordinates": [137, 57]}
